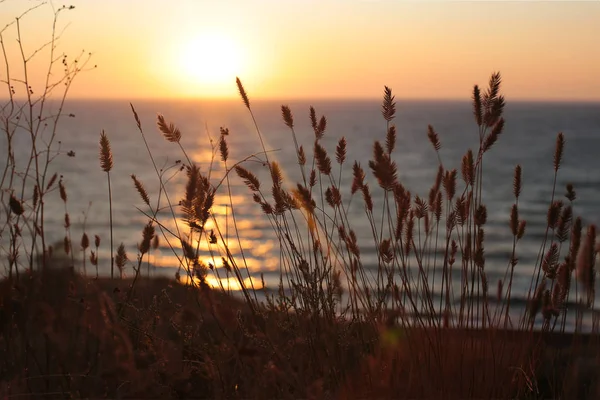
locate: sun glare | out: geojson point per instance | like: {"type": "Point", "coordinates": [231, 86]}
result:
{"type": "Point", "coordinates": [211, 63]}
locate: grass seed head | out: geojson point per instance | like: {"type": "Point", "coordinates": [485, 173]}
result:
{"type": "Point", "coordinates": [140, 189]}
{"type": "Point", "coordinates": [286, 113]}
{"type": "Point", "coordinates": [169, 130]}
{"type": "Point", "coordinates": [85, 241]}
{"type": "Point", "coordinates": [558, 151]}
{"type": "Point", "coordinates": [243, 93]}
{"type": "Point", "coordinates": [15, 205]}
{"type": "Point", "coordinates": [517, 182]}
{"type": "Point", "coordinates": [388, 108]}
{"type": "Point", "coordinates": [106, 157]}
{"type": "Point", "coordinates": [121, 258]}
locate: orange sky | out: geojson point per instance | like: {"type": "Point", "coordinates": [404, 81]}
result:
{"type": "Point", "coordinates": [289, 49]}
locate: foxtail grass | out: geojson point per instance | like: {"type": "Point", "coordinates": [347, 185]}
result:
{"type": "Point", "coordinates": [106, 163]}
{"type": "Point", "coordinates": [423, 320]}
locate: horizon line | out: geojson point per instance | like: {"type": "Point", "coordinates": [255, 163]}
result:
{"type": "Point", "coordinates": [317, 99]}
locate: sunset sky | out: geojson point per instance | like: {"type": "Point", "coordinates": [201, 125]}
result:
{"type": "Point", "coordinates": [289, 49]}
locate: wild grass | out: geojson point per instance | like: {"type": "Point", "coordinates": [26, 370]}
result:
{"type": "Point", "coordinates": [333, 327]}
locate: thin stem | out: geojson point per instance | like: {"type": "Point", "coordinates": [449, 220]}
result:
{"type": "Point", "coordinates": [112, 258]}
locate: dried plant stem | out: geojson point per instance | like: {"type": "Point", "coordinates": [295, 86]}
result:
{"type": "Point", "coordinates": [110, 213]}
{"type": "Point", "coordinates": [247, 104]}
{"type": "Point", "coordinates": [237, 233]}
{"type": "Point", "coordinates": [538, 265]}
{"type": "Point", "coordinates": [158, 174]}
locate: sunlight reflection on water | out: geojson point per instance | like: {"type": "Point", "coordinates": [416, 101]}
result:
{"type": "Point", "coordinates": [240, 230]}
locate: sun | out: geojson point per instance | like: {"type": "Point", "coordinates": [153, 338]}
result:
{"type": "Point", "coordinates": [211, 62]}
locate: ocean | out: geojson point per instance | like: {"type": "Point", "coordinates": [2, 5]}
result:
{"type": "Point", "coordinates": [529, 140]}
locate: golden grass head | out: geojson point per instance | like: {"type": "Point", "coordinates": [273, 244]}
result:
{"type": "Point", "coordinates": [493, 103]}
{"type": "Point", "coordinates": [192, 185]}
{"type": "Point", "coordinates": [318, 126]}
{"type": "Point", "coordinates": [550, 261]}
{"type": "Point", "coordinates": [576, 230]}
{"type": "Point", "coordinates": [468, 168]}
{"type": "Point", "coordinates": [147, 235]}
{"type": "Point", "coordinates": [521, 229]}
{"type": "Point", "coordinates": [386, 251]}
{"type": "Point", "coordinates": [301, 156]}
{"type": "Point", "coordinates": [383, 168]}
{"type": "Point", "coordinates": [517, 181]}
{"type": "Point", "coordinates": [93, 258]}
{"type": "Point", "coordinates": [492, 137]}
{"type": "Point", "coordinates": [51, 182]}
{"type": "Point", "coordinates": [106, 158]}
{"type": "Point", "coordinates": [276, 174]}
{"type": "Point", "coordinates": [15, 205]}
{"type": "Point", "coordinates": [514, 219]}
{"type": "Point", "coordinates": [563, 275]}
{"type": "Point", "coordinates": [304, 198]}
{"type": "Point", "coordinates": [433, 138]}
{"type": "Point", "coordinates": [390, 139]}
{"type": "Point", "coordinates": [367, 197]}
{"type": "Point", "coordinates": [248, 177]}
{"type": "Point", "coordinates": [62, 191]}
{"type": "Point", "coordinates": [188, 250]}
{"type": "Point", "coordinates": [223, 148]}
{"type": "Point", "coordinates": [437, 206]}
{"type": "Point", "coordinates": [481, 215]}
{"type": "Point", "coordinates": [564, 222]}
{"type": "Point", "coordinates": [169, 131]}
{"type": "Point", "coordinates": [477, 106]}
{"type": "Point", "coordinates": [313, 118]}
{"type": "Point", "coordinates": [323, 160]}
{"type": "Point", "coordinates": [570, 195]}
{"type": "Point", "coordinates": [140, 189]}
{"type": "Point", "coordinates": [449, 182]}
{"type": "Point", "coordinates": [36, 196]}
{"type": "Point", "coordinates": [121, 258]}
{"type": "Point", "coordinates": [493, 87]}
{"type": "Point", "coordinates": [558, 151]}
{"type": "Point", "coordinates": [137, 118]}
{"type": "Point", "coordinates": [554, 211]}
{"type": "Point", "coordinates": [288, 118]}
{"type": "Point", "coordinates": [388, 108]}
{"type": "Point", "coordinates": [420, 207]}
{"type": "Point", "coordinates": [479, 256]}
{"type": "Point", "coordinates": [85, 241]}
{"type": "Point", "coordinates": [243, 93]}
{"type": "Point", "coordinates": [359, 177]}
{"type": "Point", "coordinates": [333, 196]}
{"type": "Point", "coordinates": [340, 151]}
{"type": "Point", "coordinates": [461, 210]}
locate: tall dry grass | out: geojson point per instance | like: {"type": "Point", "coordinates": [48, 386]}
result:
{"type": "Point", "coordinates": [423, 324]}
{"type": "Point", "coordinates": [32, 114]}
